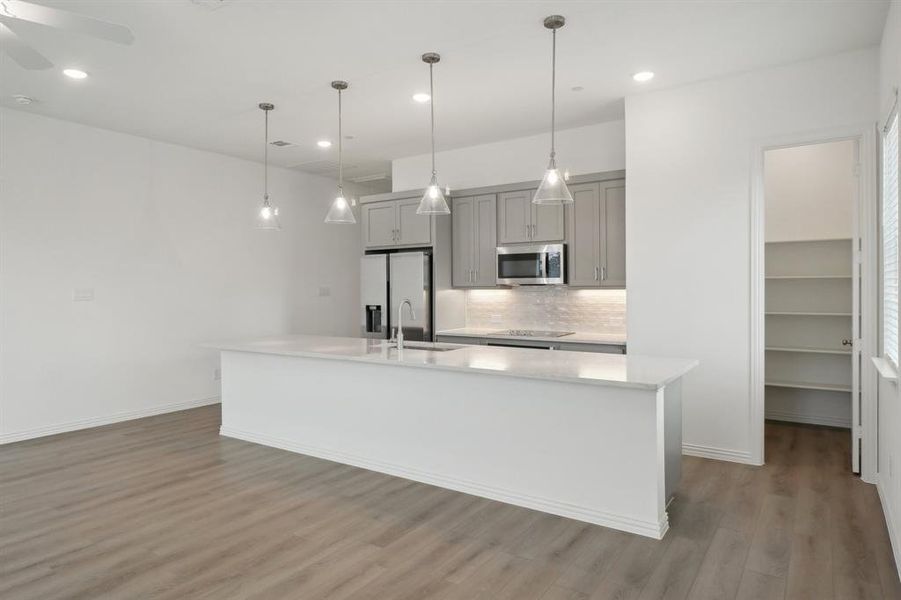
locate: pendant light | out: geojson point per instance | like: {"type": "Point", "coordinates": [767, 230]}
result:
{"type": "Point", "coordinates": [267, 217]}
{"type": "Point", "coordinates": [433, 202]}
{"type": "Point", "coordinates": [340, 210]}
{"type": "Point", "coordinates": [553, 188]}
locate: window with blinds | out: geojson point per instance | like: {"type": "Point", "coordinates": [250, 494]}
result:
{"type": "Point", "coordinates": [890, 241]}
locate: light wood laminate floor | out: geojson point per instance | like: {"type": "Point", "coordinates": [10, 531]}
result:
{"type": "Point", "coordinates": [165, 508]}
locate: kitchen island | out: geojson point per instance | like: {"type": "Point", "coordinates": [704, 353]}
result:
{"type": "Point", "coordinates": [594, 437]}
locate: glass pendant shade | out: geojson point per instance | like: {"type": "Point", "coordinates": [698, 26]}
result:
{"type": "Point", "coordinates": [433, 201]}
{"type": "Point", "coordinates": [340, 211]}
{"type": "Point", "coordinates": [553, 188]}
{"type": "Point", "coordinates": [267, 216]}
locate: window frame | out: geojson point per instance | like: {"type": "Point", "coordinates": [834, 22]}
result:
{"type": "Point", "coordinates": [891, 130]}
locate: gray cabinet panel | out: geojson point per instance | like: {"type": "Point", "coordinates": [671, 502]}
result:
{"type": "Point", "coordinates": [601, 348]}
{"type": "Point", "coordinates": [514, 217]}
{"type": "Point", "coordinates": [583, 243]}
{"type": "Point", "coordinates": [613, 234]}
{"type": "Point", "coordinates": [462, 214]}
{"type": "Point", "coordinates": [484, 250]}
{"type": "Point", "coordinates": [379, 224]}
{"type": "Point", "coordinates": [547, 222]}
{"type": "Point", "coordinates": [412, 229]}
{"type": "Point", "coordinates": [457, 339]}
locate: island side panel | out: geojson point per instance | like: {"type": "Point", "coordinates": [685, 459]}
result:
{"type": "Point", "coordinates": [672, 399]}
{"type": "Point", "coordinates": [582, 451]}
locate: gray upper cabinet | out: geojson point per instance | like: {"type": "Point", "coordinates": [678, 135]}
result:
{"type": "Point", "coordinates": [474, 241]}
{"type": "Point", "coordinates": [613, 233]}
{"type": "Point", "coordinates": [514, 217]}
{"type": "Point", "coordinates": [518, 220]}
{"type": "Point", "coordinates": [462, 241]}
{"type": "Point", "coordinates": [395, 223]}
{"type": "Point", "coordinates": [379, 224]}
{"type": "Point", "coordinates": [412, 229]}
{"type": "Point", "coordinates": [596, 223]}
{"type": "Point", "coordinates": [583, 248]}
{"type": "Point", "coordinates": [547, 222]}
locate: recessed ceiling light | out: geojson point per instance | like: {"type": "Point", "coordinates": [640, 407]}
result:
{"type": "Point", "coordinates": [422, 98]}
{"type": "Point", "coordinates": [643, 76]}
{"type": "Point", "coordinates": [577, 88]}
{"type": "Point", "coordinates": [75, 73]}
{"type": "Point", "coordinates": [324, 144]}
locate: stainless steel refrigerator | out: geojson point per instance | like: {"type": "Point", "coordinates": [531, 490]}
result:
{"type": "Point", "coordinates": [386, 280]}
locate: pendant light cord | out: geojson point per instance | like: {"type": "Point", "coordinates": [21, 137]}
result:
{"type": "Point", "coordinates": [340, 150]}
{"type": "Point", "coordinates": [432, 105]}
{"type": "Point", "coordinates": [553, 87]}
{"type": "Point", "coordinates": [266, 161]}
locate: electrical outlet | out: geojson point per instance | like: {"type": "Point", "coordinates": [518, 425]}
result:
{"type": "Point", "coordinates": [83, 295]}
{"type": "Point", "coordinates": [325, 290]}
{"type": "Point", "coordinates": [217, 374]}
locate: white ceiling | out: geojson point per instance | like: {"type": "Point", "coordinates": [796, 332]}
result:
{"type": "Point", "coordinates": [198, 69]}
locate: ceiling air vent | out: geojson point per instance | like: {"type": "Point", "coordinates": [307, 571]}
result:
{"type": "Point", "coordinates": [211, 4]}
{"type": "Point", "coordinates": [282, 143]}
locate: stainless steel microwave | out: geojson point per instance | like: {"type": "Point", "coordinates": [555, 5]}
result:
{"type": "Point", "coordinates": [541, 264]}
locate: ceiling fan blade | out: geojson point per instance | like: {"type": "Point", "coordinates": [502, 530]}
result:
{"type": "Point", "coordinates": [68, 21]}
{"type": "Point", "coordinates": [23, 54]}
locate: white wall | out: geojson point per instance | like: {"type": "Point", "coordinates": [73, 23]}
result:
{"type": "Point", "coordinates": [889, 478]}
{"type": "Point", "coordinates": [164, 236]}
{"type": "Point", "coordinates": [809, 192]}
{"type": "Point", "coordinates": [588, 149]}
{"type": "Point", "coordinates": [688, 158]}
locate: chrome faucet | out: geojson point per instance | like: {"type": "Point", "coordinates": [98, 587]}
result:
{"type": "Point", "coordinates": [400, 321]}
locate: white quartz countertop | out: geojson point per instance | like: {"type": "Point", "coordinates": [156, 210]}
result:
{"type": "Point", "coordinates": [612, 339]}
{"type": "Point", "coordinates": [628, 371]}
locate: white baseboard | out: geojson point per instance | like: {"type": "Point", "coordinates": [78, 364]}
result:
{"type": "Point", "coordinates": [738, 456]}
{"type": "Point", "coordinates": [808, 419]}
{"type": "Point", "coordinates": [582, 513]}
{"type": "Point", "coordinates": [28, 434]}
{"type": "Point", "coordinates": [890, 524]}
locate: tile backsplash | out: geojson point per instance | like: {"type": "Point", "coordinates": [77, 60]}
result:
{"type": "Point", "coordinates": [555, 308]}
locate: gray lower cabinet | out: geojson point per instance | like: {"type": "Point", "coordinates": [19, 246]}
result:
{"type": "Point", "coordinates": [474, 241]}
{"type": "Point", "coordinates": [518, 220]}
{"type": "Point", "coordinates": [602, 348]}
{"type": "Point", "coordinates": [456, 339]}
{"type": "Point", "coordinates": [395, 223]}
{"type": "Point", "coordinates": [596, 221]}
{"type": "Point", "coordinates": [568, 346]}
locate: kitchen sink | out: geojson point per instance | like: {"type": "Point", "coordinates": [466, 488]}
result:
{"type": "Point", "coordinates": [432, 346]}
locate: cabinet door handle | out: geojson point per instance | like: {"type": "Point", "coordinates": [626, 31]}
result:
{"type": "Point", "coordinates": [595, 273]}
{"type": "Point", "coordinates": [533, 232]}
{"type": "Point", "coordinates": [475, 276]}
{"type": "Point", "coordinates": [528, 233]}
{"type": "Point", "coordinates": [603, 273]}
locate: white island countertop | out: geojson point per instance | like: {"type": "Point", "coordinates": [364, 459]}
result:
{"type": "Point", "coordinates": [628, 371]}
